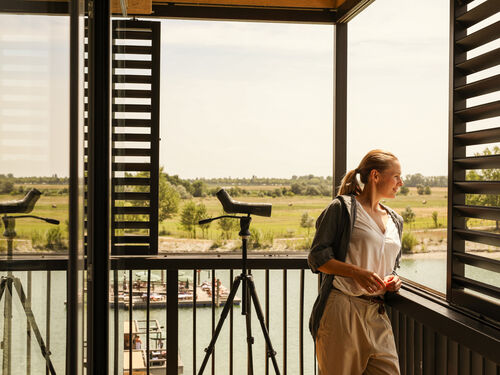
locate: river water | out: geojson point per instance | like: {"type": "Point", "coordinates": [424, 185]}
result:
{"type": "Point", "coordinates": [430, 272]}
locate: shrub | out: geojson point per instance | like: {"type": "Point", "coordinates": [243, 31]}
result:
{"type": "Point", "coordinates": [36, 239]}
{"type": "Point", "coordinates": [404, 190]}
{"type": "Point", "coordinates": [255, 240]}
{"type": "Point", "coordinates": [427, 190]}
{"type": "Point", "coordinates": [54, 239]}
{"type": "Point", "coordinates": [408, 242]}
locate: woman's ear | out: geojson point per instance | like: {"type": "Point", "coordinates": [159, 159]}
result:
{"type": "Point", "coordinates": [374, 175]}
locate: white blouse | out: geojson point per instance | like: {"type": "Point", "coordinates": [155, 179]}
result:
{"type": "Point", "coordinates": [370, 249]}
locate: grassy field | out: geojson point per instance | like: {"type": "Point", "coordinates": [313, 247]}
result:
{"type": "Point", "coordinates": [283, 223]}
{"type": "Point", "coordinates": [287, 211]}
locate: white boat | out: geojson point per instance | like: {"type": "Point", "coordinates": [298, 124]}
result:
{"type": "Point", "coordinates": [139, 356]}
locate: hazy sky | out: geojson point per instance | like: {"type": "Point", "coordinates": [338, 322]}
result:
{"type": "Point", "coordinates": [241, 99]}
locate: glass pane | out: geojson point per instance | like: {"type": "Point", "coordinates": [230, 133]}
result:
{"type": "Point", "coordinates": [34, 131]}
{"type": "Point", "coordinates": [248, 107]}
{"type": "Point", "coordinates": [34, 156]}
{"type": "Point", "coordinates": [398, 101]}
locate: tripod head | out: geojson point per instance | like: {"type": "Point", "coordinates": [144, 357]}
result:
{"type": "Point", "coordinates": [22, 206]}
{"type": "Point", "coordinates": [234, 207]}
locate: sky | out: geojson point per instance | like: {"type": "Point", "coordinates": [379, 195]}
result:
{"type": "Point", "coordinates": [241, 99]}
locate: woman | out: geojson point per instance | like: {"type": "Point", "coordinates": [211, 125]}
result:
{"type": "Point", "coordinates": [358, 246]}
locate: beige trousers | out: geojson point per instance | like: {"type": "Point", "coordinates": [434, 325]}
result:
{"type": "Point", "coordinates": [354, 339]}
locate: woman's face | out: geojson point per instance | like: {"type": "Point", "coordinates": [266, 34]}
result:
{"type": "Point", "coordinates": [389, 180]}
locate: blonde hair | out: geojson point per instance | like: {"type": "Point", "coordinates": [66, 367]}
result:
{"type": "Point", "coordinates": [374, 159]}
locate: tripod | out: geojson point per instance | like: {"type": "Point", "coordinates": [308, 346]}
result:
{"type": "Point", "coordinates": [6, 283]}
{"type": "Point", "coordinates": [249, 291]}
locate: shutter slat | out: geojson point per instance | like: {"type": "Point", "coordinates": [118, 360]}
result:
{"type": "Point", "coordinates": [131, 78]}
{"type": "Point", "coordinates": [478, 261]}
{"type": "Point", "coordinates": [479, 13]}
{"type": "Point", "coordinates": [481, 87]}
{"type": "Point", "coordinates": [481, 62]}
{"type": "Point", "coordinates": [131, 152]}
{"type": "Point", "coordinates": [131, 167]}
{"type": "Point", "coordinates": [132, 50]}
{"type": "Point", "coordinates": [117, 210]}
{"type": "Point", "coordinates": [479, 137]}
{"type": "Point", "coordinates": [478, 286]}
{"type": "Point", "coordinates": [131, 107]}
{"type": "Point", "coordinates": [124, 137]}
{"type": "Point", "coordinates": [485, 238]}
{"type": "Point", "coordinates": [132, 224]}
{"type": "Point", "coordinates": [131, 34]}
{"type": "Point", "coordinates": [479, 212]}
{"type": "Point", "coordinates": [132, 239]}
{"type": "Point", "coordinates": [131, 181]}
{"type": "Point", "coordinates": [132, 64]}
{"type": "Point", "coordinates": [131, 196]}
{"type": "Point", "coordinates": [479, 162]}
{"type": "Point", "coordinates": [479, 187]}
{"type": "Point", "coordinates": [480, 112]}
{"type": "Point", "coordinates": [480, 37]}
{"type": "Point", "coordinates": [132, 93]}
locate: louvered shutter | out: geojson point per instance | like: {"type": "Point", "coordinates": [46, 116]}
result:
{"type": "Point", "coordinates": [135, 137]}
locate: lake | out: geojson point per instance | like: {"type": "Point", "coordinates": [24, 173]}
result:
{"type": "Point", "coordinates": [431, 272]}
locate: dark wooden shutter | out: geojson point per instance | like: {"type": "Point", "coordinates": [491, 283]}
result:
{"type": "Point", "coordinates": [463, 290]}
{"type": "Point", "coordinates": [135, 137]}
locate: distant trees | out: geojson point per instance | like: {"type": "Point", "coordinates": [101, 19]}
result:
{"type": "Point", "coordinates": [306, 222]}
{"type": "Point", "coordinates": [191, 214]}
{"type": "Point", "coordinates": [404, 190]}
{"type": "Point", "coordinates": [491, 200]}
{"type": "Point", "coordinates": [412, 180]}
{"type": "Point", "coordinates": [408, 216]}
{"type": "Point", "coordinates": [227, 226]}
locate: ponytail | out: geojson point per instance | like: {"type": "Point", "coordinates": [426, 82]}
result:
{"type": "Point", "coordinates": [350, 184]}
{"type": "Point", "coordinates": [374, 159]}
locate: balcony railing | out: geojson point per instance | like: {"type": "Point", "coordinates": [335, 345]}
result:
{"type": "Point", "coordinates": [432, 337]}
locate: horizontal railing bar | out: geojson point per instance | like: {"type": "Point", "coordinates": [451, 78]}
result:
{"type": "Point", "coordinates": [478, 286]}
{"type": "Point", "coordinates": [204, 261]}
{"type": "Point", "coordinates": [480, 112]}
{"type": "Point", "coordinates": [481, 62]}
{"type": "Point", "coordinates": [481, 87]}
{"type": "Point", "coordinates": [480, 37]}
{"type": "Point", "coordinates": [480, 212]}
{"type": "Point", "coordinates": [479, 187]}
{"type": "Point", "coordinates": [486, 238]}
{"type": "Point", "coordinates": [479, 137]}
{"type": "Point", "coordinates": [479, 13]}
{"type": "Point", "coordinates": [479, 162]}
{"type": "Point", "coordinates": [194, 260]}
{"type": "Point", "coordinates": [478, 261]}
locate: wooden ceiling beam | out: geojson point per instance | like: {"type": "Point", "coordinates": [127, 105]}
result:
{"type": "Point", "coordinates": [307, 4]}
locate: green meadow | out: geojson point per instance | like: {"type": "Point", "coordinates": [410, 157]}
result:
{"type": "Point", "coordinates": [284, 222]}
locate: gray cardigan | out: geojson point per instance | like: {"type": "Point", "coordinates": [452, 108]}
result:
{"type": "Point", "coordinates": [331, 241]}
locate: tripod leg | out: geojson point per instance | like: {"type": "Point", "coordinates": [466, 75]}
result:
{"type": "Point", "coordinates": [7, 329]}
{"type": "Point", "coordinates": [270, 351]}
{"type": "Point", "coordinates": [225, 311]}
{"type": "Point", "coordinates": [250, 339]}
{"type": "Point", "coordinates": [34, 326]}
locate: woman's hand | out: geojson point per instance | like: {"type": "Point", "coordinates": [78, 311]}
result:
{"type": "Point", "coordinates": [392, 283]}
{"type": "Point", "coordinates": [368, 280]}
